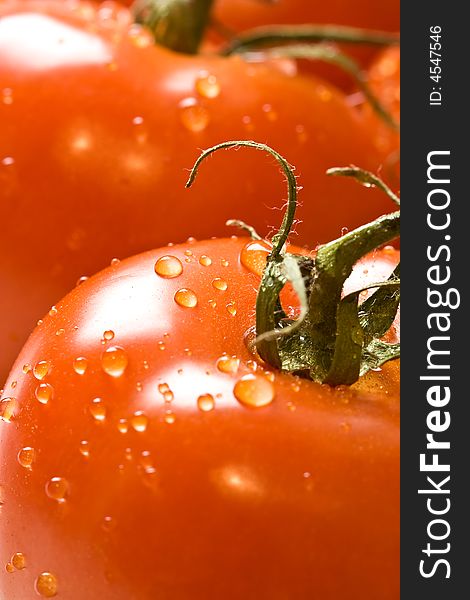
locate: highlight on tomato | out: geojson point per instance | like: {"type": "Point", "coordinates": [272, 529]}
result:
{"type": "Point", "coordinates": [99, 126]}
{"type": "Point", "coordinates": [168, 431]}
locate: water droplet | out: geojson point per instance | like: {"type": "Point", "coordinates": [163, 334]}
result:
{"type": "Point", "coordinates": [212, 303]}
{"type": "Point", "coordinates": [98, 409]}
{"type": "Point", "coordinates": [168, 267]}
{"type": "Point", "coordinates": [248, 123]}
{"type": "Point", "coordinates": [123, 426]}
{"type": "Point", "coordinates": [302, 135]}
{"type": "Point", "coordinates": [7, 96]}
{"type": "Point", "coordinates": [206, 402]}
{"type": "Point", "coordinates": [207, 85]}
{"type": "Point", "coordinates": [205, 261]}
{"type": "Point", "coordinates": [139, 386]}
{"type": "Point", "coordinates": [27, 368]}
{"type": "Point", "coordinates": [57, 488]}
{"type": "Point", "coordinates": [253, 257]}
{"type": "Point", "coordinates": [231, 308]}
{"type": "Point", "coordinates": [270, 113]}
{"type": "Point", "coordinates": [161, 346]}
{"type": "Point", "coordinates": [26, 457]}
{"type": "Point", "coordinates": [108, 524]}
{"type": "Point", "coordinates": [8, 161]}
{"type": "Point", "coordinates": [228, 364]}
{"type": "Point", "coordinates": [219, 284]}
{"type": "Point", "coordinates": [389, 249]}
{"type": "Point", "coordinates": [114, 361]}
{"type": "Point", "coordinates": [13, 384]}
{"type": "Point", "coordinates": [254, 390]}
{"type": "Point", "coordinates": [9, 568]}
{"type": "Point", "coordinates": [145, 364]}
{"type": "Point", "coordinates": [140, 36]}
{"type": "Point", "coordinates": [224, 262]}
{"type": "Point", "coordinates": [41, 369]}
{"type": "Point", "coordinates": [81, 280]}
{"type": "Point", "coordinates": [108, 335]}
{"type": "Point", "coordinates": [53, 311]}
{"type": "Point", "coordinates": [252, 365]}
{"type": "Point", "coordinates": [80, 365]}
{"type": "Point", "coordinates": [7, 409]}
{"type": "Point", "coordinates": [269, 375]}
{"type": "Point", "coordinates": [295, 386]}
{"type": "Point", "coordinates": [163, 387]}
{"type": "Point", "coordinates": [84, 448]}
{"type": "Point", "coordinates": [139, 421]}
{"type": "Point", "coordinates": [193, 115]}
{"type": "Point", "coordinates": [46, 585]}
{"type": "Point", "coordinates": [169, 417]}
{"type": "Point", "coordinates": [60, 331]}
{"type": "Point", "coordinates": [114, 262]}
{"type": "Point", "coordinates": [188, 352]}
{"type": "Point", "coordinates": [44, 392]}
{"type": "Point", "coordinates": [186, 298]}
{"type": "Point", "coordinates": [324, 93]}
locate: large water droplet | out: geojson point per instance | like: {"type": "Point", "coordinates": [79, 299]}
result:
{"type": "Point", "coordinates": [139, 421]}
{"type": "Point", "coordinates": [254, 390]}
{"type": "Point", "coordinates": [168, 267]}
{"type": "Point", "coordinates": [41, 369]}
{"type": "Point", "coordinates": [186, 298]}
{"type": "Point", "coordinates": [253, 256]}
{"type": "Point", "coordinates": [46, 585]}
{"type": "Point", "coordinates": [206, 402]}
{"type": "Point", "coordinates": [114, 361]}
{"type": "Point", "coordinates": [207, 85]}
{"type": "Point", "coordinates": [18, 560]}
{"type": "Point", "coordinates": [26, 457]}
{"type": "Point", "coordinates": [44, 392]}
{"type": "Point", "coordinates": [193, 115]}
{"type": "Point", "coordinates": [80, 365]}
{"type": "Point", "coordinates": [57, 488]}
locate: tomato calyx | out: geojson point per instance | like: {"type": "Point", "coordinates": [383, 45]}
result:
{"type": "Point", "coordinates": [334, 339]}
{"type": "Point", "coordinates": [175, 24]}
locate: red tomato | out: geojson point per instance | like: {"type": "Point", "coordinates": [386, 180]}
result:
{"type": "Point", "coordinates": [99, 129]}
{"type": "Point", "coordinates": [136, 465]}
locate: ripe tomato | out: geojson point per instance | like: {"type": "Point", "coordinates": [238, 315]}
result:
{"type": "Point", "coordinates": [99, 128]}
{"type": "Point", "coordinates": [136, 465]}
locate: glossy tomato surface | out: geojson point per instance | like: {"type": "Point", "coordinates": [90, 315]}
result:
{"type": "Point", "coordinates": [146, 453]}
{"type": "Point", "coordinates": [99, 129]}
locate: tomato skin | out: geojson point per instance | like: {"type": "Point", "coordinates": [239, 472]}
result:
{"type": "Point", "coordinates": [94, 153]}
{"type": "Point", "coordinates": [295, 498]}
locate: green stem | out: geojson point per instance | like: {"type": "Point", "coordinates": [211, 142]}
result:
{"type": "Point", "coordinates": [334, 339]}
{"type": "Point", "coordinates": [176, 24]}
{"type": "Point", "coordinates": [329, 54]}
{"type": "Point", "coordinates": [281, 34]}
